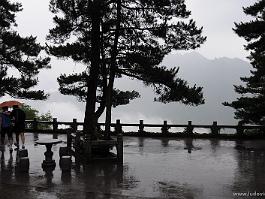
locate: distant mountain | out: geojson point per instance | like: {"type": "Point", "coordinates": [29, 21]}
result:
{"type": "Point", "coordinates": [217, 76]}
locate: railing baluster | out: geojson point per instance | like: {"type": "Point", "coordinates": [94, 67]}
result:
{"type": "Point", "coordinates": [164, 128]}
{"type": "Point", "coordinates": [190, 127]}
{"type": "Point", "coordinates": [55, 128]}
{"type": "Point", "coordinates": [141, 127]}
{"type": "Point", "coordinates": [74, 125]}
{"type": "Point", "coordinates": [214, 128]}
{"type": "Point", "coordinates": [118, 127]}
{"type": "Point", "coordinates": [239, 128]}
{"type": "Point", "coordinates": [35, 124]}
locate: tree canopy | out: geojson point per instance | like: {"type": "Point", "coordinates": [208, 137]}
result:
{"type": "Point", "coordinates": [32, 114]}
{"type": "Point", "coordinates": [18, 55]}
{"type": "Point", "coordinates": [251, 105]}
{"type": "Point", "coordinates": [123, 38]}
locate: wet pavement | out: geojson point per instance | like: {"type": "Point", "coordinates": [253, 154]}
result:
{"type": "Point", "coordinates": [153, 168]}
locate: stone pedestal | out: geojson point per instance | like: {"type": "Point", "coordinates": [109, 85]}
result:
{"type": "Point", "coordinates": [23, 164]}
{"type": "Point", "coordinates": [22, 153]}
{"type": "Point", "coordinates": [65, 163]}
{"type": "Point", "coordinates": [63, 151]}
{"type": "Point", "coordinates": [48, 162]}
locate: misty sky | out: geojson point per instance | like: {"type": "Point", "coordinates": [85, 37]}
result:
{"type": "Point", "coordinates": [217, 17]}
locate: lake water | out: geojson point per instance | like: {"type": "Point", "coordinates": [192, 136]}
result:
{"type": "Point", "coordinates": [152, 168]}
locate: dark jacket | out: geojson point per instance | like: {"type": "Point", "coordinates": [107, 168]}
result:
{"type": "Point", "coordinates": [18, 115]}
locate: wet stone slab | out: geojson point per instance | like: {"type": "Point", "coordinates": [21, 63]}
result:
{"type": "Point", "coordinates": [153, 168]}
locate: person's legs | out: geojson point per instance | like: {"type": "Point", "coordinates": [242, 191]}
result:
{"type": "Point", "coordinates": [3, 135]}
{"type": "Point", "coordinates": [20, 129]}
{"type": "Point", "coordinates": [22, 136]}
{"type": "Point", "coordinates": [15, 130]}
{"type": "Point", "coordinates": [10, 139]}
{"type": "Point", "coordinates": [17, 139]}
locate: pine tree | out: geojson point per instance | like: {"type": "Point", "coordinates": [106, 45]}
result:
{"type": "Point", "coordinates": [123, 38]}
{"type": "Point", "coordinates": [19, 55]}
{"type": "Point", "coordinates": [250, 107]}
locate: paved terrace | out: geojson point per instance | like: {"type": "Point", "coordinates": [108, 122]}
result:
{"type": "Point", "coordinates": [153, 168]}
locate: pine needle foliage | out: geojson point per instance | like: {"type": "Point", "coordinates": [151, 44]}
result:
{"type": "Point", "coordinates": [18, 55]}
{"type": "Point", "coordinates": [117, 38]}
{"type": "Point", "coordinates": [250, 107]}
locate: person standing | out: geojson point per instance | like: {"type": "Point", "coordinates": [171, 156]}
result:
{"type": "Point", "coordinates": [19, 117]}
{"type": "Point", "coordinates": [6, 128]}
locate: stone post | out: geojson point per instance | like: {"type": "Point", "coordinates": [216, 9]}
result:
{"type": "Point", "coordinates": [118, 127]}
{"type": "Point", "coordinates": [214, 128]}
{"type": "Point", "coordinates": [190, 128]}
{"type": "Point", "coordinates": [239, 128]}
{"type": "Point", "coordinates": [74, 125]}
{"type": "Point", "coordinates": [35, 125]}
{"type": "Point", "coordinates": [164, 129]}
{"type": "Point", "coordinates": [55, 128]}
{"type": "Point", "coordinates": [141, 127]}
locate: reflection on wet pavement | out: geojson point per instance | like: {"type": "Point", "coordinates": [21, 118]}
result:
{"type": "Point", "coordinates": [153, 168]}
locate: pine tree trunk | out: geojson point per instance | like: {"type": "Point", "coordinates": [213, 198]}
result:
{"type": "Point", "coordinates": [90, 121]}
{"type": "Point", "coordinates": [112, 72]}
{"type": "Point", "coordinates": [109, 105]}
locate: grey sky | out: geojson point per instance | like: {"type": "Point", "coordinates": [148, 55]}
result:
{"type": "Point", "coordinates": [217, 17]}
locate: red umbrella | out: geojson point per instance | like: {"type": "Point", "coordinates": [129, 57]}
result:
{"type": "Point", "coordinates": [10, 103]}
